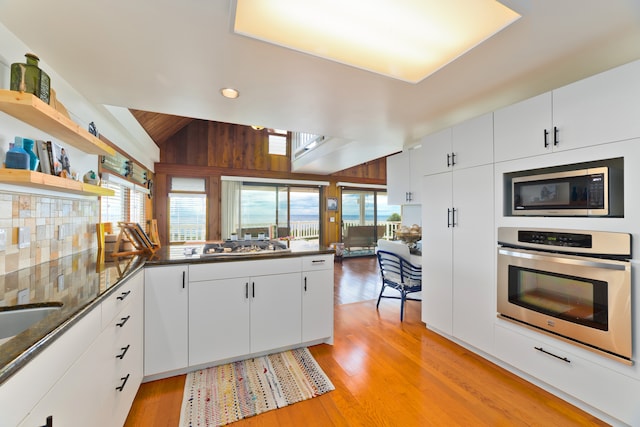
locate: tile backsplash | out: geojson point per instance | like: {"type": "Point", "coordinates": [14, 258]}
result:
{"type": "Point", "coordinates": [55, 227]}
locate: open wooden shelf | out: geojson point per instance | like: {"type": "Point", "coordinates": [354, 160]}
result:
{"type": "Point", "coordinates": [29, 178]}
{"type": "Point", "coordinates": [33, 111]}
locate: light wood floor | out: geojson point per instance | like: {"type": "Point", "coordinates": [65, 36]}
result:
{"type": "Point", "coordinates": [388, 373]}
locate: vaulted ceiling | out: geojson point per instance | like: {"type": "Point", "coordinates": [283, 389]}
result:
{"type": "Point", "coordinates": [160, 127]}
{"type": "Point", "coordinates": [172, 57]}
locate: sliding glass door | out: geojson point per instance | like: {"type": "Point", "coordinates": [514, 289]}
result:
{"type": "Point", "coordinates": [366, 217]}
{"type": "Point", "coordinates": [290, 213]}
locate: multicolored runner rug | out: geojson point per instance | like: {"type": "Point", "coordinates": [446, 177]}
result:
{"type": "Point", "coordinates": [223, 394]}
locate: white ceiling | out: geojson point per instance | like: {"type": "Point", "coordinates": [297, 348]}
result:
{"type": "Point", "coordinates": [174, 56]}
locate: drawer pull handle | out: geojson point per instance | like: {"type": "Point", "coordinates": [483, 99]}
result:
{"type": "Point", "coordinates": [124, 320]}
{"type": "Point", "coordinates": [305, 283]}
{"type": "Point", "coordinates": [124, 351]}
{"type": "Point", "coordinates": [318, 261]}
{"type": "Point", "coordinates": [123, 295]}
{"type": "Point", "coordinates": [124, 382]}
{"type": "Point", "coordinates": [564, 359]}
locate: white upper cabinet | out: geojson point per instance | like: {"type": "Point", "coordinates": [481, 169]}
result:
{"type": "Point", "coordinates": [524, 129]}
{"type": "Point", "coordinates": [600, 109]}
{"type": "Point", "coordinates": [467, 144]}
{"type": "Point", "coordinates": [597, 110]}
{"type": "Point", "coordinates": [436, 152]}
{"type": "Point", "coordinates": [404, 177]}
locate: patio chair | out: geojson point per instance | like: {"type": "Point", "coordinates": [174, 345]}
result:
{"type": "Point", "coordinates": [399, 274]}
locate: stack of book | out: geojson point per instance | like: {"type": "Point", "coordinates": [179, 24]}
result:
{"type": "Point", "coordinates": [53, 158]}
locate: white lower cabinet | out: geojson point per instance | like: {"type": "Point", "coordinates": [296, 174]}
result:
{"type": "Point", "coordinates": [613, 393]}
{"type": "Point", "coordinates": [276, 312]}
{"type": "Point", "coordinates": [165, 319]}
{"type": "Point", "coordinates": [218, 319]}
{"type": "Point", "coordinates": [317, 298]}
{"type": "Point", "coordinates": [100, 386]}
{"type": "Point", "coordinates": [282, 303]}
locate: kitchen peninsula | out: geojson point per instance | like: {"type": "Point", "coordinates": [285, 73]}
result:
{"type": "Point", "coordinates": [205, 310]}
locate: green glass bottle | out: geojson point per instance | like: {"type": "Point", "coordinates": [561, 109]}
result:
{"type": "Point", "coordinates": [30, 78]}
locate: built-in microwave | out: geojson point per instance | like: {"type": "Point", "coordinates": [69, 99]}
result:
{"type": "Point", "coordinates": [579, 192]}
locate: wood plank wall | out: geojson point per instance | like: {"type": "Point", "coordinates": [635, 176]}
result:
{"type": "Point", "coordinates": [212, 149]}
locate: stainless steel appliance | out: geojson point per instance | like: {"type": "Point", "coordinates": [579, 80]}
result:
{"type": "Point", "coordinates": [573, 284]}
{"type": "Point", "coordinates": [595, 191]}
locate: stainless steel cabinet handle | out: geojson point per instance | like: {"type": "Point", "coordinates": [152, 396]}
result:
{"type": "Point", "coordinates": [246, 290]}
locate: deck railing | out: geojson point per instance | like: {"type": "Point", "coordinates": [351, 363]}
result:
{"type": "Point", "coordinates": [305, 230]}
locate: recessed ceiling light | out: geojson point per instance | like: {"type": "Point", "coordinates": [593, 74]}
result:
{"type": "Point", "coordinates": [230, 93]}
{"type": "Point", "coordinates": [403, 39]}
{"type": "Point", "coordinates": [257, 127]}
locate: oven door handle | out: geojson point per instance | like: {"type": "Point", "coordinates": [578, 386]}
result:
{"type": "Point", "coordinates": [584, 262]}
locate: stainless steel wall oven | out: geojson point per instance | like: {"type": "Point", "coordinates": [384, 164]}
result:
{"type": "Point", "coordinates": [573, 284]}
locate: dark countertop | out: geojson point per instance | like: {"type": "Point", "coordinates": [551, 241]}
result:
{"type": "Point", "coordinates": [176, 255]}
{"type": "Point", "coordinates": [82, 281]}
{"type": "Point", "coordinates": [79, 281]}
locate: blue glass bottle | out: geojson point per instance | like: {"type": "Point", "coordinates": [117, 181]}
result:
{"type": "Point", "coordinates": [27, 145]}
{"type": "Point", "coordinates": [17, 158]}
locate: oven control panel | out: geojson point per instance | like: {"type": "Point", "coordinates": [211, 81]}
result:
{"type": "Point", "coordinates": [552, 238]}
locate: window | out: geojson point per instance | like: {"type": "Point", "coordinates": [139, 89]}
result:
{"type": "Point", "coordinates": [279, 210]}
{"type": "Point", "coordinates": [278, 142]}
{"type": "Point", "coordinates": [187, 210]}
{"type": "Point", "coordinates": [127, 204]}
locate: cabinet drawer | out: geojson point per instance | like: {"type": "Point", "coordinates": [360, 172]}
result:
{"type": "Point", "coordinates": [318, 262]}
{"type": "Point", "coordinates": [233, 269]}
{"type": "Point", "coordinates": [120, 298]}
{"type": "Point", "coordinates": [582, 379]}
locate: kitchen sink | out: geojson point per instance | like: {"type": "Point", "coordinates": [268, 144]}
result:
{"type": "Point", "coordinates": [14, 320]}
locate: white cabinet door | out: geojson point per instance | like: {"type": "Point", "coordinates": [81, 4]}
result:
{"type": "Point", "coordinates": [317, 305]}
{"type": "Point", "coordinates": [165, 319]}
{"type": "Point", "coordinates": [437, 262]}
{"type": "Point", "coordinates": [472, 142]}
{"type": "Point", "coordinates": [398, 177]}
{"type": "Point", "coordinates": [416, 172]}
{"type": "Point", "coordinates": [276, 312]}
{"type": "Point", "coordinates": [524, 129]}
{"type": "Point", "coordinates": [436, 152]}
{"type": "Point", "coordinates": [599, 109]}
{"type": "Point", "coordinates": [474, 308]}
{"type": "Point", "coordinates": [218, 319]}
{"type": "Point", "coordinates": [77, 397]}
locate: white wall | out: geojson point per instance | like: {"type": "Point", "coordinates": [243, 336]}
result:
{"type": "Point", "coordinates": [117, 124]}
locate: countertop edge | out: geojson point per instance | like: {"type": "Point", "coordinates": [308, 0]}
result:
{"type": "Point", "coordinates": [24, 358]}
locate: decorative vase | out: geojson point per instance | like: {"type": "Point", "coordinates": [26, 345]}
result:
{"type": "Point", "coordinates": [30, 78]}
{"type": "Point", "coordinates": [34, 161]}
{"type": "Point", "coordinates": [17, 158]}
